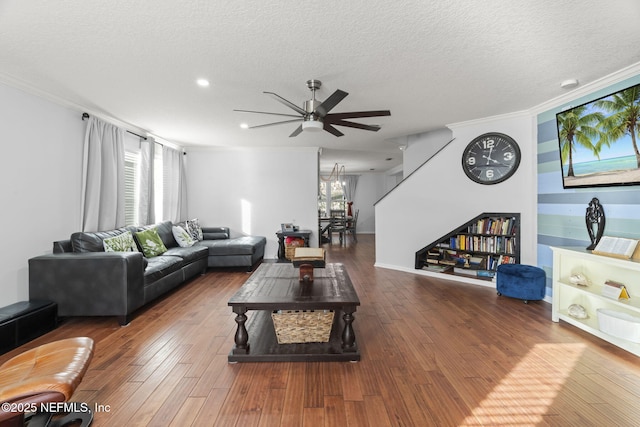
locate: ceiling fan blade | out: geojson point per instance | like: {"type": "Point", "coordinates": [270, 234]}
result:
{"type": "Point", "coordinates": [330, 102]}
{"type": "Point", "coordinates": [358, 114]}
{"type": "Point", "coordinates": [326, 126]}
{"type": "Point", "coordinates": [266, 112]}
{"type": "Point", "coordinates": [296, 132]}
{"type": "Point", "coordinates": [273, 124]}
{"type": "Point", "coordinates": [287, 103]}
{"type": "Point", "coordinates": [374, 128]}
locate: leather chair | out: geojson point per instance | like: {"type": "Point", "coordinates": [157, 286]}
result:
{"type": "Point", "coordinates": [40, 377]}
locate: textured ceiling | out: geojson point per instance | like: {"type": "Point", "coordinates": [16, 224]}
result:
{"type": "Point", "coordinates": [430, 63]}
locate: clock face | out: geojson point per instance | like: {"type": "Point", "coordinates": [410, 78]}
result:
{"type": "Point", "coordinates": [491, 158]}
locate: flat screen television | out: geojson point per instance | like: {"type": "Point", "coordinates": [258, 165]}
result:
{"type": "Point", "coordinates": [599, 141]}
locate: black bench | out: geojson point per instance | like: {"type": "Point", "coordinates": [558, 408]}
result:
{"type": "Point", "coordinates": [24, 321]}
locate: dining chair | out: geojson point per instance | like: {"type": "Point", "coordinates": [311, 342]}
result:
{"type": "Point", "coordinates": [337, 224]}
{"type": "Point", "coordinates": [351, 225]}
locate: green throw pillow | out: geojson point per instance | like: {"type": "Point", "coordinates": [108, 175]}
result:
{"type": "Point", "coordinates": [150, 242]}
{"type": "Point", "coordinates": [120, 243]}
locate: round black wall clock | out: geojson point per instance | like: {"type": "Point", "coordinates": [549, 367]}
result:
{"type": "Point", "coordinates": [491, 158]}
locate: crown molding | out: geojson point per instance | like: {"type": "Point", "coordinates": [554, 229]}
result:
{"type": "Point", "coordinates": [32, 90]}
{"type": "Point", "coordinates": [588, 88]}
{"type": "Point", "coordinates": [499, 118]}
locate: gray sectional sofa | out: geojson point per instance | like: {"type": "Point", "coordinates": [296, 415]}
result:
{"type": "Point", "coordinates": [84, 280]}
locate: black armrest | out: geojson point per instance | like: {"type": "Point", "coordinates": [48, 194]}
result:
{"type": "Point", "coordinates": [89, 283]}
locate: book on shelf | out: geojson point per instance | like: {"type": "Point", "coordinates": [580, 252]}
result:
{"type": "Point", "coordinates": [476, 260]}
{"type": "Point", "coordinates": [465, 271]}
{"type": "Point", "coordinates": [480, 272]}
{"type": "Point", "coordinates": [486, 273]}
{"type": "Point", "coordinates": [614, 290]}
{"type": "Point", "coordinates": [618, 247]}
{"type": "Point", "coordinates": [438, 268]}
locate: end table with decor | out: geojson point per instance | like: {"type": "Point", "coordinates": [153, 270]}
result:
{"type": "Point", "coordinates": [291, 239]}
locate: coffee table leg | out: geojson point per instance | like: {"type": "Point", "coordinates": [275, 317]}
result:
{"type": "Point", "coordinates": [241, 337]}
{"type": "Point", "coordinates": [348, 336]}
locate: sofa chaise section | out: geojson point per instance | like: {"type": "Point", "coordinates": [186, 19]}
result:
{"type": "Point", "coordinates": [243, 251]}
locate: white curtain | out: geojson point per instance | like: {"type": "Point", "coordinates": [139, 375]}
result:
{"type": "Point", "coordinates": [102, 177]}
{"type": "Point", "coordinates": [146, 207]}
{"type": "Point", "coordinates": [349, 187]}
{"type": "Point", "coordinates": [174, 198]}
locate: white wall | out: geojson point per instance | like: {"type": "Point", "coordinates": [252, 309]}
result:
{"type": "Point", "coordinates": [39, 183]}
{"type": "Point", "coordinates": [439, 197]}
{"type": "Point", "coordinates": [253, 191]}
{"type": "Point", "coordinates": [371, 187]}
{"type": "Point", "coordinates": [421, 147]}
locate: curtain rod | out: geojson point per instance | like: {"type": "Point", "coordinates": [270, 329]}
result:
{"type": "Point", "coordinates": [86, 116]}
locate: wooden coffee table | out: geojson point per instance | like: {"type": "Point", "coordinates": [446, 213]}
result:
{"type": "Point", "coordinates": [276, 286]}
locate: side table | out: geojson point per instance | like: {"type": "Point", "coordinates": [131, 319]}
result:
{"type": "Point", "coordinates": [304, 234]}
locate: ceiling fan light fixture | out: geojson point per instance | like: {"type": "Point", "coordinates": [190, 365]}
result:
{"type": "Point", "coordinates": [312, 125]}
{"type": "Point", "coordinates": [316, 115]}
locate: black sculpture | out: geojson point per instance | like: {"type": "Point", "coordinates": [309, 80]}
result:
{"type": "Point", "coordinates": [595, 222]}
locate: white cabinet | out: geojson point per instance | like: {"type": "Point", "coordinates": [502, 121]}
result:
{"type": "Point", "coordinates": [568, 261]}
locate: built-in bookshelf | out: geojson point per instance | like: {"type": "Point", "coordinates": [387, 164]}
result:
{"type": "Point", "coordinates": [476, 248]}
{"type": "Point", "coordinates": [582, 278]}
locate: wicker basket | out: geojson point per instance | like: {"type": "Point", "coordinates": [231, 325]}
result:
{"type": "Point", "coordinates": [302, 326]}
{"type": "Point", "coordinates": [290, 251]}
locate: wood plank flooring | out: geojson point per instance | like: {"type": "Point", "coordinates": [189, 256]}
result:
{"type": "Point", "coordinates": [434, 353]}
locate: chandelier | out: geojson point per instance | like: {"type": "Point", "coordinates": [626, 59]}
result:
{"type": "Point", "coordinates": [337, 173]}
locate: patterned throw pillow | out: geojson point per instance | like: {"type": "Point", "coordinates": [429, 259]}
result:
{"type": "Point", "coordinates": [194, 229]}
{"type": "Point", "coordinates": [121, 243]}
{"type": "Point", "coordinates": [150, 242]}
{"type": "Point", "coordinates": [183, 238]}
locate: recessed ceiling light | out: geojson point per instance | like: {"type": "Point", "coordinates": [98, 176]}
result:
{"type": "Point", "coordinates": [244, 126]}
{"type": "Point", "coordinates": [203, 82]}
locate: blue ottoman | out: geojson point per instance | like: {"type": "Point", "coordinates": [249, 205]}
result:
{"type": "Point", "coordinates": [524, 282]}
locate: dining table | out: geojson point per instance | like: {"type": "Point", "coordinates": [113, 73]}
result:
{"type": "Point", "coordinates": [325, 223]}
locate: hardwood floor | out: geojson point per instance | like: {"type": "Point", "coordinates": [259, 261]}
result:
{"type": "Point", "coordinates": [434, 353]}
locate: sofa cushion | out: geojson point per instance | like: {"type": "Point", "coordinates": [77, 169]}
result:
{"type": "Point", "coordinates": [161, 266]}
{"type": "Point", "coordinates": [214, 233]}
{"type": "Point", "coordinates": [183, 238]}
{"type": "Point", "coordinates": [245, 245]}
{"type": "Point", "coordinates": [189, 254]}
{"type": "Point", "coordinates": [150, 242]}
{"type": "Point", "coordinates": [92, 241]}
{"type": "Point", "coordinates": [121, 243]}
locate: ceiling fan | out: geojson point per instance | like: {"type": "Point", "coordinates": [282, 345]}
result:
{"type": "Point", "coordinates": [315, 115]}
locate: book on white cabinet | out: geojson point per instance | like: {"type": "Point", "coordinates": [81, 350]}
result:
{"type": "Point", "coordinates": [594, 294]}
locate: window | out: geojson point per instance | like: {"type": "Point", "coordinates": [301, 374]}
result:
{"type": "Point", "coordinates": [331, 193]}
{"type": "Point", "coordinates": [337, 196]}
{"type": "Point", "coordinates": [136, 198]}
{"type": "Point", "coordinates": [158, 183]}
{"type": "Point", "coordinates": [322, 198]}
{"type": "Point", "coordinates": [131, 187]}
